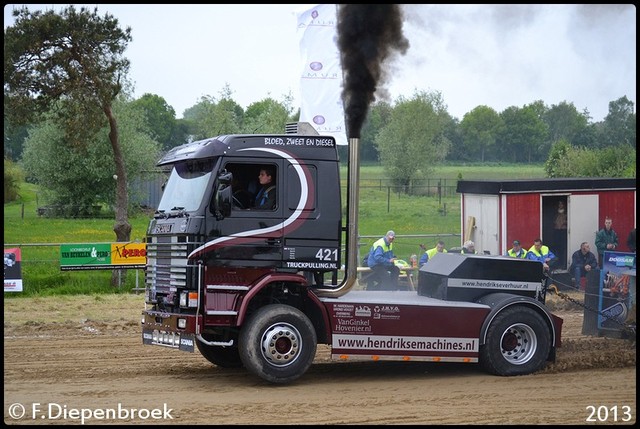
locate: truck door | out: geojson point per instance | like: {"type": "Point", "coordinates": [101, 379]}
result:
{"type": "Point", "coordinates": [249, 235]}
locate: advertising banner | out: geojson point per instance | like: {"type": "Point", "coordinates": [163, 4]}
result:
{"type": "Point", "coordinates": [617, 295]}
{"type": "Point", "coordinates": [102, 256]}
{"type": "Point", "coordinates": [12, 272]}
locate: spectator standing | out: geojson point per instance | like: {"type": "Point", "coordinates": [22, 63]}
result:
{"type": "Point", "coordinates": [560, 234]}
{"type": "Point", "coordinates": [516, 251]}
{"type": "Point", "coordinates": [382, 260]}
{"type": "Point", "coordinates": [560, 222]}
{"type": "Point", "coordinates": [606, 239]}
{"type": "Point", "coordinates": [541, 253]}
{"type": "Point", "coordinates": [631, 240]}
{"type": "Point", "coordinates": [582, 261]}
{"type": "Point", "coordinates": [428, 254]}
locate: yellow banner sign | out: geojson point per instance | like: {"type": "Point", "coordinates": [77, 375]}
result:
{"type": "Point", "coordinates": [128, 253]}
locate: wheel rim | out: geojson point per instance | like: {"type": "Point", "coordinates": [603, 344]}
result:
{"type": "Point", "coordinates": [281, 344]}
{"type": "Point", "coordinates": [518, 344]}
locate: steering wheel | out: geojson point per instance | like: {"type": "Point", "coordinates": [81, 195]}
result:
{"type": "Point", "coordinates": [237, 203]}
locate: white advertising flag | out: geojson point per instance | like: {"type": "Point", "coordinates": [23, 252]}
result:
{"type": "Point", "coordinates": [321, 75]}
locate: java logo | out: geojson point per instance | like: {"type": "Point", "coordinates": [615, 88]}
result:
{"type": "Point", "coordinates": [386, 309]}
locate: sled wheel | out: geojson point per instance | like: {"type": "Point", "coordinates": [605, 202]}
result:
{"type": "Point", "coordinates": [278, 343]}
{"type": "Point", "coordinates": [224, 357]}
{"type": "Point", "coordinates": [518, 342]}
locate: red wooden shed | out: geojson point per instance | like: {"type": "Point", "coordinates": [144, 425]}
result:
{"type": "Point", "coordinates": [494, 213]}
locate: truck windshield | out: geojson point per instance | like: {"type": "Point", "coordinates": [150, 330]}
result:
{"type": "Point", "coordinates": [186, 186]}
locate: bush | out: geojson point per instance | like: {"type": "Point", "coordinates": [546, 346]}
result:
{"type": "Point", "coordinates": [13, 176]}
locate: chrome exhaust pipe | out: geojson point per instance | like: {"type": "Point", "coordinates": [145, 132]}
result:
{"type": "Point", "coordinates": [353, 199]}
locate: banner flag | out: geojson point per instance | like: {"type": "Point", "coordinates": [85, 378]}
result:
{"type": "Point", "coordinates": [321, 77]}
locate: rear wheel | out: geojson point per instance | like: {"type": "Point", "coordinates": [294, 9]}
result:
{"type": "Point", "coordinates": [278, 343]}
{"type": "Point", "coordinates": [224, 357]}
{"type": "Point", "coordinates": [518, 342]}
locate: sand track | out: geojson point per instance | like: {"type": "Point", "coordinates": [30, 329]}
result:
{"type": "Point", "coordinates": [86, 353]}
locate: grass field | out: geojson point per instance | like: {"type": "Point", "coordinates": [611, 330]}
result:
{"type": "Point", "coordinates": [415, 219]}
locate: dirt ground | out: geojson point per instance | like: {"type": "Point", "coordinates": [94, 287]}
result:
{"type": "Point", "coordinates": [73, 360]}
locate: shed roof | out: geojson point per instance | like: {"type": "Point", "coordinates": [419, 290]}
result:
{"type": "Point", "coordinates": [497, 187]}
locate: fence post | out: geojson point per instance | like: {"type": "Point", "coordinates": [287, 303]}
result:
{"type": "Point", "coordinates": [388, 198]}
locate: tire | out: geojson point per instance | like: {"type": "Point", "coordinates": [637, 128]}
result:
{"type": "Point", "coordinates": [278, 343]}
{"type": "Point", "coordinates": [518, 343]}
{"type": "Point", "coordinates": [224, 357]}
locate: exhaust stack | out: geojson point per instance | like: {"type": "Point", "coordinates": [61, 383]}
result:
{"type": "Point", "coordinates": [353, 199]}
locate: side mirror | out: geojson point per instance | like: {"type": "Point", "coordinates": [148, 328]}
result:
{"type": "Point", "coordinates": [225, 178]}
{"type": "Point", "coordinates": [223, 195]}
{"type": "Point", "coordinates": [223, 202]}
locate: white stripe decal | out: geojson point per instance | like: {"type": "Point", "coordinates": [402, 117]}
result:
{"type": "Point", "coordinates": [304, 195]}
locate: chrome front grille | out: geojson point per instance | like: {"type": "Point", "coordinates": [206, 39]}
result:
{"type": "Point", "coordinates": [167, 269]}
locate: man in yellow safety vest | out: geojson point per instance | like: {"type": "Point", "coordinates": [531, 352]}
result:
{"type": "Point", "coordinates": [516, 251]}
{"type": "Point", "coordinates": [381, 260]}
{"type": "Point", "coordinates": [429, 254]}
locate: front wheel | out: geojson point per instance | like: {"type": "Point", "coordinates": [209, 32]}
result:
{"type": "Point", "coordinates": [518, 342]}
{"type": "Point", "coordinates": [278, 343]}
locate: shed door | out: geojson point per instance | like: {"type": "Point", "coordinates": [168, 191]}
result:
{"type": "Point", "coordinates": [582, 222]}
{"type": "Point", "coordinates": [485, 210]}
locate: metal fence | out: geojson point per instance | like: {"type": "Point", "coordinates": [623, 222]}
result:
{"type": "Point", "coordinates": [404, 245]}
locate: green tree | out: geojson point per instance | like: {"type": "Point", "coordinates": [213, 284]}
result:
{"type": "Point", "coordinates": [267, 116]}
{"type": "Point", "coordinates": [161, 120]}
{"type": "Point", "coordinates": [620, 123]}
{"type": "Point", "coordinates": [13, 176]}
{"type": "Point", "coordinates": [76, 178]}
{"type": "Point", "coordinates": [587, 137]}
{"type": "Point", "coordinates": [565, 122]}
{"type": "Point", "coordinates": [453, 133]}
{"type": "Point", "coordinates": [378, 117]}
{"type": "Point", "coordinates": [71, 63]}
{"type": "Point", "coordinates": [413, 140]}
{"type": "Point", "coordinates": [212, 117]}
{"type": "Point", "coordinates": [480, 129]}
{"type": "Point", "coordinates": [559, 151]}
{"type": "Point", "coordinates": [14, 136]}
{"type": "Point", "coordinates": [524, 133]}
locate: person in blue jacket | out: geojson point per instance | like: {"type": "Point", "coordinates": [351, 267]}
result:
{"type": "Point", "coordinates": [541, 253]}
{"type": "Point", "coordinates": [382, 260]}
{"type": "Point", "coordinates": [582, 261]}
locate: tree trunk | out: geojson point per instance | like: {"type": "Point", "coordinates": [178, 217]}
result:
{"type": "Point", "coordinates": [122, 227]}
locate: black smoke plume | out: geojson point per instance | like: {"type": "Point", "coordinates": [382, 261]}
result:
{"type": "Point", "coordinates": [367, 35]}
